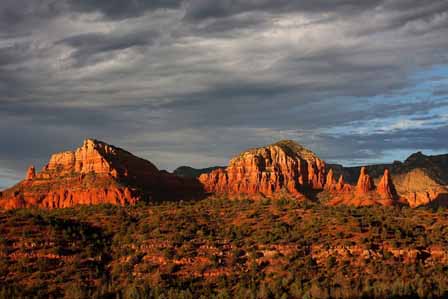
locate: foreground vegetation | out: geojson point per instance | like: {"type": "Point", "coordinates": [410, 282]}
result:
{"type": "Point", "coordinates": [218, 248]}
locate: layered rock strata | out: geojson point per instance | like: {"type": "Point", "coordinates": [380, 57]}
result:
{"type": "Point", "coordinates": [96, 173]}
{"type": "Point", "coordinates": [281, 168]}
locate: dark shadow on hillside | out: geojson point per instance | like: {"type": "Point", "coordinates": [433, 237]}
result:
{"type": "Point", "coordinates": [312, 195]}
{"type": "Point", "coordinates": [177, 188]}
{"type": "Point", "coordinates": [440, 201]}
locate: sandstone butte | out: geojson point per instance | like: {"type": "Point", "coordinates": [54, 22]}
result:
{"type": "Point", "coordinates": [279, 168]}
{"type": "Point", "coordinates": [96, 173]}
{"type": "Point", "coordinates": [99, 173]}
{"type": "Point", "coordinates": [286, 168]}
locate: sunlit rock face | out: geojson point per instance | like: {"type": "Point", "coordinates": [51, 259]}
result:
{"type": "Point", "coordinates": [96, 173]}
{"type": "Point", "coordinates": [421, 187]}
{"type": "Point", "coordinates": [336, 187]}
{"type": "Point", "coordinates": [282, 168]}
{"type": "Point", "coordinates": [364, 193]}
{"type": "Point", "coordinates": [286, 168]}
{"type": "Point", "coordinates": [386, 188]}
{"type": "Point", "coordinates": [365, 183]}
{"type": "Point", "coordinates": [420, 180]}
{"type": "Point", "coordinates": [30, 173]}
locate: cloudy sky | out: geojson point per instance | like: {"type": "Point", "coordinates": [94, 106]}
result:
{"type": "Point", "coordinates": [195, 81]}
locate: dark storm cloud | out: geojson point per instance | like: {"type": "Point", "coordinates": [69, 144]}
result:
{"type": "Point", "coordinates": [22, 17]}
{"type": "Point", "coordinates": [405, 11]}
{"type": "Point", "coordinates": [374, 145]}
{"type": "Point", "coordinates": [14, 54]}
{"type": "Point", "coordinates": [201, 9]}
{"type": "Point", "coordinates": [118, 9]}
{"type": "Point", "coordinates": [196, 81]}
{"type": "Point", "coordinates": [39, 136]}
{"type": "Point", "coordinates": [89, 46]}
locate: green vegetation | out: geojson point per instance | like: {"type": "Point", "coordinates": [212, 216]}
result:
{"type": "Point", "coordinates": [224, 249]}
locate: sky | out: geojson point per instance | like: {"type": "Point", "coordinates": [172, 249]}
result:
{"type": "Point", "coordinates": [194, 82]}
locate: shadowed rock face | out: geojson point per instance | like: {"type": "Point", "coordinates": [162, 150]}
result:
{"type": "Point", "coordinates": [271, 171]}
{"type": "Point", "coordinates": [386, 187]}
{"type": "Point", "coordinates": [96, 173]}
{"type": "Point", "coordinates": [190, 172]}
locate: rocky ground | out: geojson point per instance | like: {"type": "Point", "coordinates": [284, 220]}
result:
{"type": "Point", "coordinates": [220, 248]}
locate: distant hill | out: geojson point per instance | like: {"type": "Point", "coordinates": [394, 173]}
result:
{"type": "Point", "coordinates": [190, 172]}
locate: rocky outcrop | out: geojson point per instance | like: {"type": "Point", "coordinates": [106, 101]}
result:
{"type": "Point", "coordinates": [419, 180]}
{"type": "Point", "coordinates": [96, 173]}
{"type": "Point", "coordinates": [286, 168]}
{"type": "Point", "coordinates": [365, 183]}
{"type": "Point", "coordinates": [281, 168]}
{"type": "Point", "coordinates": [386, 187]}
{"type": "Point", "coordinates": [330, 182]}
{"type": "Point", "coordinates": [336, 187]}
{"type": "Point", "coordinates": [31, 173]}
{"type": "Point", "coordinates": [341, 186]}
{"type": "Point", "coordinates": [419, 187]}
{"type": "Point", "coordinates": [365, 192]}
{"type": "Point", "coordinates": [99, 173]}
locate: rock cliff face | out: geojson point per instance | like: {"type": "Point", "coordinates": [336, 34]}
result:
{"type": "Point", "coordinates": [96, 173]}
{"type": "Point", "coordinates": [420, 187]}
{"type": "Point", "coordinates": [31, 173]}
{"type": "Point", "coordinates": [386, 187]}
{"type": "Point", "coordinates": [99, 173]}
{"type": "Point", "coordinates": [365, 183]}
{"type": "Point", "coordinates": [271, 171]}
{"type": "Point", "coordinates": [336, 187]}
{"type": "Point", "coordinates": [341, 186]}
{"type": "Point", "coordinates": [419, 180]}
{"type": "Point", "coordinates": [330, 181]}
{"type": "Point", "coordinates": [365, 192]}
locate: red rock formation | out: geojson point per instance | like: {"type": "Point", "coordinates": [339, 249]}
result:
{"type": "Point", "coordinates": [96, 173]}
{"type": "Point", "coordinates": [365, 193]}
{"type": "Point", "coordinates": [330, 182]}
{"type": "Point", "coordinates": [423, 198]}
{"type": "Point", "coordinates": [283, 167]}
{"type": "Point", "coordinates": [31, 173]}
{"type": "Point", "coordinates": [336, 187]}
{"type": "Point", "coordinates": [386, 187]}
{"type": "Point", "coordinates": [365, 183]}
{"type": "Point", "coordinates": [420, 180]}
{"type": "Point", "coordinates": [341, 186]}
{"type": "Point", "coordinates": [420, 187]}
